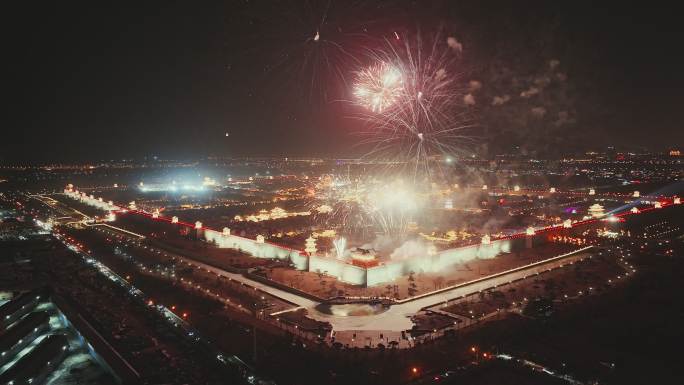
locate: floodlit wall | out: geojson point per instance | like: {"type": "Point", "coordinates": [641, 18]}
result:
{"type": "Point", "coordinates": [300, 261]}
{"type": "Point", "coordinates": [334, 267]}
{"type": "Point", "coordinates": [95, 202]}
{"type": "Point", "coordinates": [366, 276]}
{"type": "Point", "coordinates": [437, 262]}
{"type": "Point", "coordinates": [392, 270]}
{"type": "Point", "coordinates": [255, 249]}
{"type": "Point", "coordinates": [385, 273]}
{"type": "Point", "coordinates": [452, 256]}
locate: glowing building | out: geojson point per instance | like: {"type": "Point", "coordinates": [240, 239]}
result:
{"type": "Point", "coordinates": [265, 215]}
{"type": "Point", "coordinates": [324, 209]}
{"type": "Point", "coordinates": [364, 257]}
{"type": "Point", "coordinates": [310, 245]}
{"type": "Point", "coordinates": [486, 239]}
{"type": "Point", "coordinates": [596, 210]}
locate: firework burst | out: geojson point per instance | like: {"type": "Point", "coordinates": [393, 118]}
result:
{"type": "Point", "coordinates": [413, 104]}
{"type": "Point", "coordinates": [366, 206]}
{"type": "Point", "coordinates": [378, 87]}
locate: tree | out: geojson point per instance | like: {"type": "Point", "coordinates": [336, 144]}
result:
{"type": "Point", "coordinates": [539, 308]}
{"type": "Point", "coordinates": [439, 282]}
{"type": "Point", "coordinates": [412, 287]}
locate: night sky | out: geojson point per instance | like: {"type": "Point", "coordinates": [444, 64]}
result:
{"type": "Point", "coordinates": [93, 81]}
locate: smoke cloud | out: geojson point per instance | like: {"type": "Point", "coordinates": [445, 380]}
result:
{"type": "Point", "coordinates": [530, 92]}
{"type": "Point", "coordinates": [469, 100]}
{"type": "Point", "coordinates": [538, 111]}
{"type": "Point", "coordinates": [474, 85]}
{"type": "Point", "coordinates": [500, 100]}
{"type": "Point", "coordinates": [553, 63]}
{"type": "Point", "coordinates": [410, 249]}
{"type": "Point", "coordinates": [454, 44]}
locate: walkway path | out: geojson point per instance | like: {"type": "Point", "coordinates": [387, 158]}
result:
{"type": "Point", "coordinates": [397, 317]}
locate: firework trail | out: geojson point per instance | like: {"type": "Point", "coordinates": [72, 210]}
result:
{"type": "Point", "coordinates": [315, 43]}
{"type": "Point", "coordinates": [379, 87]}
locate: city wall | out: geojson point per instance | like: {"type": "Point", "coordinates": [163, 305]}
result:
{"type": "Point", "coordinates": [371, 276]}
{"type": "Point", "coordinates": [257, 249]}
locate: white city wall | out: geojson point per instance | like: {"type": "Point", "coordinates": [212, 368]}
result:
{"type": "Point", "coordinates": [255, 249]}
{"type": "Point", "coordinates": [435, 263]}
{"type": "Point", "coordinates": [354, 274]}
{"type": "Point", "coordinates": [345, 272]}
{"type": "Point", "coordinates": [95, 202]}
